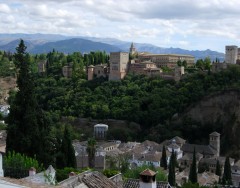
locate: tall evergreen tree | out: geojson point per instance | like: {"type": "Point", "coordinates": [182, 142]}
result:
{"type": "Point", "coordinates": [27, 131]}
{"type": "Point", "coordinates": [193, 169]}
{"type": "Point", "coordinates": [163, 162]}
{"type": "Point", "coordinates": [227, 174]}
{"type": "Point", "coordinates": [218, 169]}
{"type": "Point", "coordinates": [66, 156]}
{"type": "Point", "coordinates": [91, 149]}
{"type": "Point", "coordinates": [171, 170]}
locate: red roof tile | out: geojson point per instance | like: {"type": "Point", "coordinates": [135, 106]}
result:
{"type": "Point", "coordinates": [148, 172]}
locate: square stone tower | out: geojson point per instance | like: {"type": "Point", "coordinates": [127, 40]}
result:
{"type": "Point", "coordinates": [214, 142]}
{"type": "Point", "coordinates": [231, 54]}
{"type": "Point", "coordinates": [118, 65]}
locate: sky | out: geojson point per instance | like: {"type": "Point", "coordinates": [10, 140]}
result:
{"type": "Point", "coordinates": [187, 24]}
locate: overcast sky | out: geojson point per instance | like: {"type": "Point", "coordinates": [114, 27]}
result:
{"type": "Point", "coordinates": [188, 24]}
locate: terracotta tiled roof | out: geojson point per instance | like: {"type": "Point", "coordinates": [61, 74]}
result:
{"type": "Point", "coordinates": [148, 172]}
{"type": "Point", "coordinates": [88, 180]}
{"type": "Point", "coordinates": [207, 178]}
{"type": "Point", "coordinates": [173, 146]}
{"type": "Point", "coordinates": [113, 153]}
{"type": "Point", "coordinates": [189, 156]}
{"type": "Point", "coordinates": [206, 149]}
{"type": "Point", "coordinates": [149, 143]}
{"type": "Point", "coordinates": [215, 134]}
{"type": "Point", "coordinates": [107, 144]}
{"type": "Point", "coordinates": [23, 183]}
{"type": "Point", "coordinates": [97, 180]}
{"type": "Point", "coordinates": [150, 157]}
{"type": "Point", "coordinates": [214, 160]}
{"type": "Point", "coordinates": [179, 140]}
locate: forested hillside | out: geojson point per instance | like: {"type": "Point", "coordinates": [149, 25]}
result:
{"type": "Point", "coordinates": [150, 102]}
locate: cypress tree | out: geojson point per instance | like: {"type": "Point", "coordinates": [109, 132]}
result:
{"type": "Point", "coordinates": [171, 170]}
{"type": "Point", "coordinates": [163, 162]}
{"type": "Point", "coordinates": [193, 169]}
{"type": "Point", "coordinates": [227, 174]}
{"type": "Point", "coordinates": [218, 169]}
{"type": "Point", "coordinates": [66, 157]}
{"type": "Point", "coordinates": [67, 143]}
{"type": "Point", "coordinates": [27, 131]}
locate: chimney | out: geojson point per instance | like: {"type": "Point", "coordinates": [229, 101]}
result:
{"type": "Point", "coordinates": [51, 174]}
{"type": "Point", "coordinates": [32, 171]}
{"type": "Point", "coordinates": [148, 179]}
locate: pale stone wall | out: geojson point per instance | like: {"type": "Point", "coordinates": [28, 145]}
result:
{"type": "Point", "coordinates": [118, 65]}
{"type": "Point", "coordinates": [67, 71]}
{"type": "Point", "coordinates": [167, 60]}
{"type": "Point", "coordinates": [42, 66]}
{"type": "Point", "coordinates": [101, 70]}
{"type": "Point", "coordinates": [140, 68]}
{"type": "Point", "coordinates": [90, 72]}
{"type": "Point", "coordinates": [178, 72]}
{"type": "Point", "coordinates": [216, 67]}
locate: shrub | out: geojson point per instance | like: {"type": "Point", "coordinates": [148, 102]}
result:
{"type": "Point", "coordinates": [62, 174]}
{"type": "Point", "coordinates": [109, 173]}
{"type": "Point", "coordinates": [16, 165]}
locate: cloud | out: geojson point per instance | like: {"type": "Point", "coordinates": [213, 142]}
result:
{"type": "Point", "coordinates": [138, 32]}
{"type": "Point", "coordinates": [4, 8]}
{"type": "Point", "coordinates": [161, 22]}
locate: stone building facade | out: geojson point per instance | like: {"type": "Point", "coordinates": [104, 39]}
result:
{"type": "Point", "coordinates": [101, 70]}
{"type": "Point", "coordinates": [166, 60]}
{"type": "Point", "coordinates": [118, 65]}
{"type": "Point", "coordinates": [42, 65]}
{"type": "Point", "coordinates": [147, 68]}
{"type": "Point", "coordinates": [67, 71]}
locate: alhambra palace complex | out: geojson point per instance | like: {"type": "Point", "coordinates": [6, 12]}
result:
{"type": "Point", "coordinates": [141, 63]}
{"type": "Point", "coordinates": [123, 63]}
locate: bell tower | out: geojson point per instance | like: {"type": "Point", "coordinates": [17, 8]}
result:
{"type": "Point", "coordinates": [132, 49]}
{"type": "Point", "coordinates": [214, 142]}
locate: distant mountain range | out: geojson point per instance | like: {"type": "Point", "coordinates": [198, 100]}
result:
{"type": "Point", "coordinates": [44, 43]}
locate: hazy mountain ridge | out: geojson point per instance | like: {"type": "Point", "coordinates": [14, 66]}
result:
{"type": "Point", "coordinates": [43, 43]}
{"type": "Point", "coordinates": [74, 45]}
